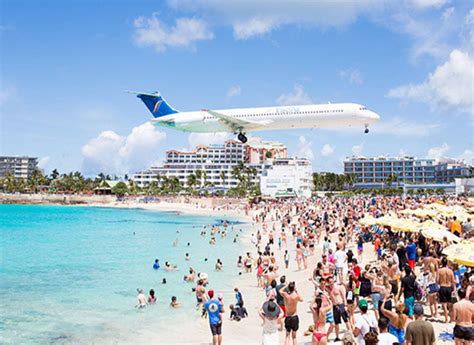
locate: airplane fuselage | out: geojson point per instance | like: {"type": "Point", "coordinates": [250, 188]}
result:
{"type": "Point", "coordinates": [273, 118]}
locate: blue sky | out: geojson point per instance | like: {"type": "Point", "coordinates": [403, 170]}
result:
{"type": "Point", "coordinates": [66, 64]}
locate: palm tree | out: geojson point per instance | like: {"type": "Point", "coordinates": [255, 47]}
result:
{"type": "Point", "coordinates": [223, 176]}
{"type": "Point", "coordinates": [199, 174]}
{"type": "Point", "coordinates": [37, 179]}
{"type": "Point", "coordinates": [191, 182]}
{"type": "Point", "coordinates": [54, 174]}
{"type": "Point", "coordinates": [9, 182]}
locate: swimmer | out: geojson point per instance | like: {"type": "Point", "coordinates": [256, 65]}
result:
{"type": "Point", "coordinates": [219, 265]}
{"type": "Point", "coordinates": [141, 299]}
{"type": "Point", "coordinates": [174, 302]}
{"type": "Point", "coordinates": [186, 257]}
{"type": "Point", "coordinates": [156, 265]}
{"type": "Point", "coordinates": [169, 267]}
{"type": "Point", "coordinates": [151, 297]}
{"type": "Point", "coordinates": [190, 277]}
{"type": "Point", "coordinates": [189, 244]}
{"type": "Point", "coordinates": [163, 281]}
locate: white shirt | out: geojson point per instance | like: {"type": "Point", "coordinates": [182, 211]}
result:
{"type": "Point", "coordinates": [339, 257]}
{"type": "Point", "coordinates": [387, 339]}
{"type": "Point", "coordinates": [363, 323]}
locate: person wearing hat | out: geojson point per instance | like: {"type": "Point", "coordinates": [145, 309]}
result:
{"type": "Point", "coordinates": [419, 331]}
{"type": "Point", "coordinates": [214, 310]}
{"type": "Point", "coordinates": [271, 316]}
{"type": "Point", "coordinates": [364, 322]}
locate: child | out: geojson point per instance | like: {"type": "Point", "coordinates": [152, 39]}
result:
{"type": "Point", "coordinates": [286, 257]}
{"type": "Point", "coordinates": [174, 302]}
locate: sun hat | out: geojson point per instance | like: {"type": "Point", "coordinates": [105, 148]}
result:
{"type": "Point", "coordinates": [271, 309]}
{"type": "Point", "coordinates": [363, 303]}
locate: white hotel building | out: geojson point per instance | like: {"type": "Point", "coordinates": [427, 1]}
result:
{"type": "Point", "coordinates": [215, 161]}
{"type": "Point", "coordinates": [287, 177]}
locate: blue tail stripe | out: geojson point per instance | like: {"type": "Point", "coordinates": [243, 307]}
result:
{"type": "Point", "coordinates": [157, 105]}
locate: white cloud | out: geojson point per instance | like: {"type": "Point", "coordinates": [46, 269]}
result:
{"type": "Point", "coordinates": [327, 150]}
{"type": "Point", "coordinates": [112, 153]}
{"type": "Point", "coordinates": [469, 23]}
{"type": "Point", "coordinates": [304, 149]}
{"type": "Point", "coordinates": [43, 162]}
{"type": "Point", "coordinates": [296, 97]}
{"type": "Point", "coordinates": [468, 156]}
{"type": "Point", "coordinates": [438, 152]}
{"type": "Point", "coordinates": [151, 32]}
{"type": "Point", "coordinates": [253, 27]}
{"type": "Point", "coordinates": [403, 128]}
{"type": "Point", "coordinates": [450, 85]}
{"type": "Point", "coordinates": [256, 18]}
{"type": "Point", "coordinates": [233, 91]}
{"type": "Point", "coordinates": [429, 3]}
{"type": "Point", "coordinates": [357, 149]}
{"type": "Point", "coordinates": [195, 139]}
{"type": "Point", "coordinates": [7, 93]}
{"type": "Point", "coordinates": [353, 75]}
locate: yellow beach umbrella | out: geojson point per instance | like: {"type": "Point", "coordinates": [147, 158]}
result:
{"type": "Point", "coordinates": [421, 213]}
{"type": "Point", "coordinates": [429, 224]}
{"type": "Point", "coordinates": [367, 221]}
{"type": "Point", "coordinates": [461, 253]}
{"type": "Point", "coordinates": [439, 235]}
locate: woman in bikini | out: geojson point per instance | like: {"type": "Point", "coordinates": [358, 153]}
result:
{"type": "Point", "coordinates": [319, 311]}
{"type": "Point", "coordinates": [398, 320]}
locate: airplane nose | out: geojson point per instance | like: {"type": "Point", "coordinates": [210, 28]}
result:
{"type": "Point", "coordinates": [374, 117]}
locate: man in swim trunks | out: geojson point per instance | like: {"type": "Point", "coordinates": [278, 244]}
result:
{"type": "Point", "coordinates": [291, 299]}
{"type": "Point", "coordinates": [337, 292]}
{"type": "Point", "coordinates": [447, 285]}
{"type": "Point", "coordinates": [463, 313]}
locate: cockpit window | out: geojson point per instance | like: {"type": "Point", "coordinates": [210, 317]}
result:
{"type": "Point", "coordinates": [363, 108]}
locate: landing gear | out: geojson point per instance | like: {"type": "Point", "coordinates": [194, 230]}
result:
{"type": "Point", "coordinates": [366, 129]}
{"type": "Point", "coordinates": [242, 138]}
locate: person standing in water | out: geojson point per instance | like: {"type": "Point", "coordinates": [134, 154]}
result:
{"type": "Point", "coordinates": [214, 310]}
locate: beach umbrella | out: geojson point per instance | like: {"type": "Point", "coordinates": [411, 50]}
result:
{"type": "Point", "coordinates": [367, 221]}
{"type": "Point", "coordinates": [407, 225]}
{"type": "Point", "coordinates": [430, 224]}
{"type": "Point", "coordinates": [439, 235]}
{"type": "Point", "coordinates": [420, 213]}
{"type": "Point", "coordinates": [461, 253]}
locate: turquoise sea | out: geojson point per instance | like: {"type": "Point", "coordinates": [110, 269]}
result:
{"type": "Point", "coordinates": [69, 274]}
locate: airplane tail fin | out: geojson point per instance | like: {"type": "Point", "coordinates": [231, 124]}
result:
{"type": "Point", "coordinates": [155, 104]}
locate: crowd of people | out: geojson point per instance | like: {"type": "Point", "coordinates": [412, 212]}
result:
{"type": "Point", "coordinates": [378, 297]}
{"type": "Point", "coordinates": [372, 284]}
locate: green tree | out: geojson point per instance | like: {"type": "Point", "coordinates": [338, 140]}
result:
{"type": "Point", "coordinates": [37, 179]}
{"type": "Point", "coordinates": [120, 189]}
{"type": "Point", "coordinates": [223, 177]}
{"type": "Point", "coordinates": [54, 174]}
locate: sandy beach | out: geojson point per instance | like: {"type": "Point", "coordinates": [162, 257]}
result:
{"type": "Point", "coordinates": [249, 330]}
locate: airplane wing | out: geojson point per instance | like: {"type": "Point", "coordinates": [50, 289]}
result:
{"type": "Point", "coordinates": [235, 124]}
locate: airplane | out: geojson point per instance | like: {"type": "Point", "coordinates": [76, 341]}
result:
{"type": "Point", "coordinates": [242, 120]}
